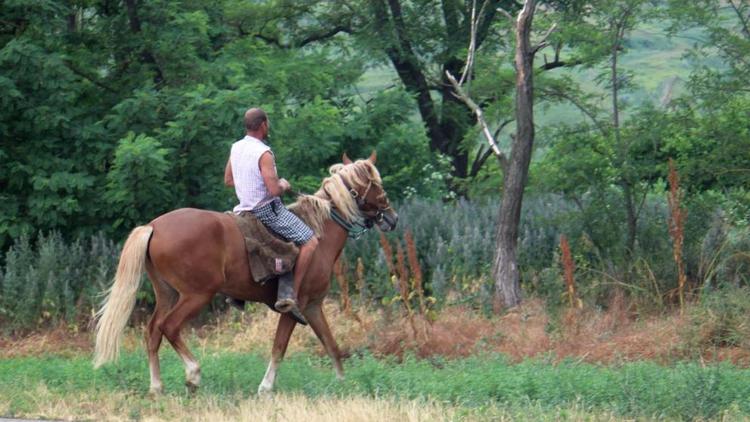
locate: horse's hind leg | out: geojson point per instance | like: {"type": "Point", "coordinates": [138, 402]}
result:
{"type": "Point", "coordinates": [165, 297]}
{"type": "Point", "coordinates": [316, 319]}
{"type": "Point", "coordinates": [187, 307]}
{"type": "Point", "coordinates": [280, 342]}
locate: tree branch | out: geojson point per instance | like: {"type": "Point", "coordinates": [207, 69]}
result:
{"type": "Point", "coordinates": [559, 63]}
{"type": "Point", "coordinates": [581, 107]}
{"type": "Point", "coordinates": [325, 35]}
{"type": "Point", "coordinates": [460, 94]}
{"type": "Point", "coordinates": [305, 41]}
{"type": "Point", "coordinates": [73, 68]}
{"type": "Point", "coordinates": [543, 42]}
{"type": "Point", "coordinates": [743, 20]}
{"type": "Point", "coordinates": [483, 154]}
{"type": "Point", "coordinates": [507, 15]}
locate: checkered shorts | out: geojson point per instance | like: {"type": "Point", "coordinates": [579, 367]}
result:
{"type": "Point", "coordinates": [283, 222]}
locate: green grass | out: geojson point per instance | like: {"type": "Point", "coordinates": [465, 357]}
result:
{"type": "Point", "coordinates": [683, 391]}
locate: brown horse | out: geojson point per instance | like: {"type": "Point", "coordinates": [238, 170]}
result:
{"type": "Point", "coordinates": [190, 255]}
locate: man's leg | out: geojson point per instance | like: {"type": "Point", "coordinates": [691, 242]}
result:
{"type": "Point", "coordinates": [290, 299]}
{"type": "Point", "coordinates": [288, 226]}
{"type": "Point", "coordinates": [306, 252]}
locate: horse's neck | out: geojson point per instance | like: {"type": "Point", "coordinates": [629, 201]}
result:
{"type": "Point", "coordinates": [333, 241]}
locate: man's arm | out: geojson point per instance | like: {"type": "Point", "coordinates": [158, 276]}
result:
{"type": "Point", "coordinates": [228, 177]}
{"type": "Point", "coordinates": [275, 186]}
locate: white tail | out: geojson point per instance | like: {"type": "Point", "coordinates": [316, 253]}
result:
{"type": "Point", "coordinates": [114, 314]}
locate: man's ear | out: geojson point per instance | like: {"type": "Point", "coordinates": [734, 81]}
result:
{"type": "Point", "coordinates": [345, 159]}
{"type": "Point", "coordinates": [373, 157]}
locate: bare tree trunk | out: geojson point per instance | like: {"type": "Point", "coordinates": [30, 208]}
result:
{"type": "Point", "coordinates": [505, 268]}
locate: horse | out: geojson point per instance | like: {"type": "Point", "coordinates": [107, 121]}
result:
{"type": "Point", "coordinates": [190, 255]}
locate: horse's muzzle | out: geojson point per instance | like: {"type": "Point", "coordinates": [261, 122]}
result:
{"type": "Point", "coordinates": [389, 221]}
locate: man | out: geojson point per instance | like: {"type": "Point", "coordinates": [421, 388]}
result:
{"type": "Point", "coordinates": [251, 169]}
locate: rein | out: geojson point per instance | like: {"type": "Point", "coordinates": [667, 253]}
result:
{"type": "Point", "coordinates": [353, 230]}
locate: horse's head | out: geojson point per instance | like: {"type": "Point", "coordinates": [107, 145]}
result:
{"type": "Point", "coordinates": [361, 182]}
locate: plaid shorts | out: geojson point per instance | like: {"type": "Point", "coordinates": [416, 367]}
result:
{"type": "Point", "coordinates": [283, 222]}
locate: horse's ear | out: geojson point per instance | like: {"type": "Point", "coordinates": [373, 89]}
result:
{"type": "Point", "coordinates": [345, 159]}
{"type": "Point", "coordinates": [373, 157]}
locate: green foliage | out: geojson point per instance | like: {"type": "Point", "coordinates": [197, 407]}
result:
{"type": "Point", "coordinates": [711, 148]}
{"type": "Point", "coordinates": [726, 34]}
{"type": "Point", "coordinates": [137, 185]}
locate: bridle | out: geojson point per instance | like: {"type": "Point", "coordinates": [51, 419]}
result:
{"type": "Point", "coordinates": [356, 229]}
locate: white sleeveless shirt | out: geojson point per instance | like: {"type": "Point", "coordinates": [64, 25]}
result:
{"type": "Point", "coordinates": [248, 181]}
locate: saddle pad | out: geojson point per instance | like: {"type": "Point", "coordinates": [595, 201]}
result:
{"type": "Point", "coordinates": [267, 254]}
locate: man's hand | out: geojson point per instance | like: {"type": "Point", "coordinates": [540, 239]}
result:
{"type": "Point", "coordinates": [285, 186]}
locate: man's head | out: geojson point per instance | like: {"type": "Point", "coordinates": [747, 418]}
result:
{"type": "Point", "coordinates": [256, 123]}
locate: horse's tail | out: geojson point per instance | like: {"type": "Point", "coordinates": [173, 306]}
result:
{"type": "Point", "coordinates": [114, 314]}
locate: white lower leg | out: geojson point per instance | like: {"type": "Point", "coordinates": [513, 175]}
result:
{"type": "Point", "coordinates": [339, 371]}
{"type": "Point", "coordinates": [156, 386]}
{"type": "Point", "coordinates": [267, 384]}
{"type": "Point", "coordinates": [192, 371]}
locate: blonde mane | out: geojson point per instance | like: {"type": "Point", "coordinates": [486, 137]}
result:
{"type": "Point", "coordinates": [316, 209]}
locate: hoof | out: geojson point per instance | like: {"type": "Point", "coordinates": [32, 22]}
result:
{"type": "Point", "coordinates": [264, 391]}
{"type": "Point", "coordinates": [155, 391]}
{"type": "Point", "coordinates": [191, 388]}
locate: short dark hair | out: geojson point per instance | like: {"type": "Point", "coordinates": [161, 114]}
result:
{"type": "Point", "coordinates": [255, 117]}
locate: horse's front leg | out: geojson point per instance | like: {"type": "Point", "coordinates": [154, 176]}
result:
{"type": "Point", "coordinates": [317, 320]}
{"type": "Point", "coordinates": [280, 342]}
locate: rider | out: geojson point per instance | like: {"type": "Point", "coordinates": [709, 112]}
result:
{"type": "Point", "coordinates": [251, 169]}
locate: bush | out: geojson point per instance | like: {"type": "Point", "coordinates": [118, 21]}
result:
{"type": "Point", "coordinates": [721, 319]}
{"type": "Point", "coordinates": [46, 280]}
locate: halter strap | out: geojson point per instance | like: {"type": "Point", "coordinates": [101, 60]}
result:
{"type": "Point", "coordinates": [353, 230]}
{"type": "Point", "coordinates": [360, 199]}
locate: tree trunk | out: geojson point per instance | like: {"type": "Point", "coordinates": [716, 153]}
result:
{"type": "Point", "coordinates": [505, 268]}
{"type": "Point", "coordinates": [627, 186]}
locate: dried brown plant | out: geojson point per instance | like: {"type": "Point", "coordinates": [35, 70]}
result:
{"type": "Point", "coordinates": [417, 286]}
{"type": "Point", "coordinates": [360, 270]}
{"type": "Point", "coordinates": [340, 269]}
{"type": "Point", "coordinates": [388, 252]}
{"type": "Point", "coordinates": [568, 271]}
{"type": "Point", "coordinates": [403, 277]}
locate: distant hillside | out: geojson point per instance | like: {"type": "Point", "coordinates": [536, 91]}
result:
{"type": "Point", "coordinates": [657, 62]}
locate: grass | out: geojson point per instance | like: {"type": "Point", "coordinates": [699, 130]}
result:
{"type": "Point", "coordinates": [528, 364]}
{"type": "Point", "coordinates": [30, 386]}
{"type": "Point", "coordinates": [525, 365]}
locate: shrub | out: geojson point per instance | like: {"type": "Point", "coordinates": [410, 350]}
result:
{"type": "Point", "coordinates": [721, 319]}
{"type": "Point", "coordinates": [46, 280]}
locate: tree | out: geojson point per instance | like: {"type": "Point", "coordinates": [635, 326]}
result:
{"type": "Point", "coordinates": [88, 90]}
{"type": "Point", "coordinates": [420, 46]}
{"type": "Point", "coordinates": [516, 167]}
{"type": "Point", "coordinates": [505, 267]}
